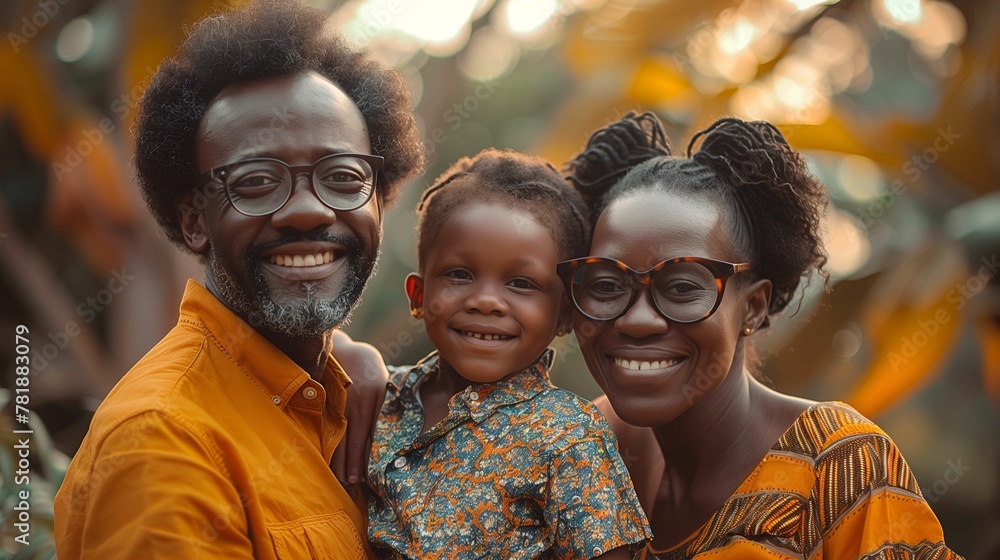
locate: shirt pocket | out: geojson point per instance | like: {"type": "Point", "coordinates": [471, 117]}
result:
{"type": "Point", "coordinates": [321, 536]}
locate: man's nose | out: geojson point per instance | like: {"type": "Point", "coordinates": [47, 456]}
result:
{"type": "Point", "coordinates": [304, 211]}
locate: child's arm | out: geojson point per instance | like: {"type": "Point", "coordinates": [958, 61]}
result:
{"type": "Point", "coordinates": [364, 365]}
{"type": "Point", "coordinates": [640, 451]}
{"type": "Point", "coordinates": [591, 502]}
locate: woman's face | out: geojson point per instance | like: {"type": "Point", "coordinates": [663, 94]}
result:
{"type": "Point", "coordinates": [653, 369]}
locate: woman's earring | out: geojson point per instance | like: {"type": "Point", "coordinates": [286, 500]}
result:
{"type": "Point", "coordinates": [417, 312]}
{"type": "Point", "coordinates": [747, 331]}
{"type": "Point", "coordinates": [560, 332]}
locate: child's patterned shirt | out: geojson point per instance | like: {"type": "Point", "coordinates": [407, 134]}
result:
{"type": "Point", "coordinates": [517, 469]}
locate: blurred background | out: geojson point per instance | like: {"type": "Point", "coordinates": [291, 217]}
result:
{"type": "Point", "coordinates": [895, 103]}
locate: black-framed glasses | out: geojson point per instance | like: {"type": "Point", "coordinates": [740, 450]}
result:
{"type": "Point", "coordinates": [684, 290]}
{"type": "Point", "coordinates": [261, 186]}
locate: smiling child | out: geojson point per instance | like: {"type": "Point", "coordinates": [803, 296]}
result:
{"type": "Point", "coordinates": [476, 454]}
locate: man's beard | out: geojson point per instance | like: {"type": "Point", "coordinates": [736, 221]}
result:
{"type": "Point", "coordinates": [309, 316]}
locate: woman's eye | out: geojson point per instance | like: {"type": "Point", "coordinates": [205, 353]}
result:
{"type": "Point", "coordinates": [682, 288]}
{"type": "Point", "coordinates": [605, 286]}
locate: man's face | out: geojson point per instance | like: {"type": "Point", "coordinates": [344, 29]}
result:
{"type": "Point", "coordinates": [301, 270]}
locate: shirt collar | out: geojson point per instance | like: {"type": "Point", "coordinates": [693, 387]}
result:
{"type": "Point", "coordinates": [269, 368]}
{"type": "Point", "coordinates": [483, 398]}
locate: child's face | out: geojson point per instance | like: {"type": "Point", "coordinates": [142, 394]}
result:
{"type": "Point", "coordinates": [491, 298]}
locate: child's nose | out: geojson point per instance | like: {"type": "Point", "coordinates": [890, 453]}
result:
{"type": "Point", "coordinates": [487, 300]}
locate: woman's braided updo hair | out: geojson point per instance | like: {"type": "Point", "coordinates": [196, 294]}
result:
{"type": "Point", "coordinates": [775, 203]}
{"type": "Point", "coordinates": [516, 180]}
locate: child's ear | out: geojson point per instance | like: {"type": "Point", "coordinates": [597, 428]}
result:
{"type": "Point", "coordinates": [192, 222]}
{"type": "Point", "coordinates": [566, 316]}
{"type": "Point", "coordinates": [414, 285]}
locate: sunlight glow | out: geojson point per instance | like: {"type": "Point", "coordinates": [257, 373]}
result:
{"type": "Point", "coordinates": [75, 39]}
{"type": "Point", "coordinates": [904, 11]}
{"type": "Point", "coordinates": [526, 17]}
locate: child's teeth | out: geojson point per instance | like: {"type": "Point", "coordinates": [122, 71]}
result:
{"type": "Point", "coordinates": [482, 336]}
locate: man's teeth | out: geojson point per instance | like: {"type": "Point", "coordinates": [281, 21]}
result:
{"type": "Point", "coordinates": [485, 336]}
{"type": "Point", "coordinates": [639, 366]}
{"type": "Point", "coordinates": [302, 260]}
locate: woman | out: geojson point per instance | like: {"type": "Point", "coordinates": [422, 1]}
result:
{"type": "Point", "coordinates": [690, 258]}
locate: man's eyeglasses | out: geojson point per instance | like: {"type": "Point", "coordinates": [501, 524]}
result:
{"type": "Point", "coordinates": [261, 186]}
{"type": "Point", "coordinates": [684, 290]}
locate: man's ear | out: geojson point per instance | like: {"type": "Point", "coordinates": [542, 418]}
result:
{"type": "Point", "coordinates": [192, 222]}
{"type": "Point", "coordinates": [414, 285]}
{"type": "Point", "coordinates": [758, 301]}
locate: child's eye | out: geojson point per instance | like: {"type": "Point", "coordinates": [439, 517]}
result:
{"type": "Point", "coordinates": [522, 284]}
{"type": "Point", "coordinates": [458, 274]}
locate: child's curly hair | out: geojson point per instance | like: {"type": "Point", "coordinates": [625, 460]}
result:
{"type": "Point", "coordinates": [514, 179]}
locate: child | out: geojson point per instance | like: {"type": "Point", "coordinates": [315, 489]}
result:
{"type": "Point", "coordinates": [476, 454]}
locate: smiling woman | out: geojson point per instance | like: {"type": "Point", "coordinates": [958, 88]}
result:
{"type": "Point", "coordinates": [690, 257]}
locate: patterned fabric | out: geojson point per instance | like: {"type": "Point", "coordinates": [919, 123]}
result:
{"type": "Point", "coordinates": [517, 469]}
{"type": "Point", "coordinates": [833, 487]}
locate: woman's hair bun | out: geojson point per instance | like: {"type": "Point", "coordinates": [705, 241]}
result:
{"type": "Point", "coordinates": [747, 152]}
{"type": "Point", "coordinates": [615, 149]}
{"type": "Point", "coordinates": [781, 201]}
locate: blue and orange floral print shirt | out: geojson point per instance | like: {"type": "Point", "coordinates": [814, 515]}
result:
{"type": "Point", "coordinates": [517, 469]}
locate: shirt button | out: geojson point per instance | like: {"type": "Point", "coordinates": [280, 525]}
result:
{"type": "Point", "coordinates": [310, 393]}
{"type": "Point", "coordinates": [400, 462]}
{"type": "Point", "coordinates": [598, 551]}
{"type": "Point", "coordinates": [576, 500]}
{"type": "Point", "coordinates": [276, 399]}
{"type": "Point", "coordinates": [474, 396]}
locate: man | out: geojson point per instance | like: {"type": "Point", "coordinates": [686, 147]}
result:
{"type": "Point", "coordinates": [270, 149]}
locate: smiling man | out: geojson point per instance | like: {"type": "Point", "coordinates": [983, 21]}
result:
{"type": "Point", "coordinates": [269, 148]}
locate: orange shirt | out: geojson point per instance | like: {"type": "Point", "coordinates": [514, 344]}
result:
{"type": "Point", "coordinates": [215, 445]}
{"type": "Point", "coordinates": [834, 487]}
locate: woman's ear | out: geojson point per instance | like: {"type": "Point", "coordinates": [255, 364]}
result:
{"type": "Point", "coordinates": [192, 222]}
{"type": "Point", "coordinates": [414, 285]}
{"type": "Point", "coordinates": [758, 301]}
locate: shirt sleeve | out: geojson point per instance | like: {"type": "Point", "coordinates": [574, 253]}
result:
{"type": "Point", "coordinates": [592, 506]}
{"type": "Point", "coordinates": [157, 492]}
{"type": "Point", "coordinates": [870, 506]}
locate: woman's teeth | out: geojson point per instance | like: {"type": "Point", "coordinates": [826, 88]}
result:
{"type": "Point", "coordinates": [485, 336]}
{"type": "Point", "coordinates": [302, 260]}
{"type": "Point", "coordinates": [639, 366]}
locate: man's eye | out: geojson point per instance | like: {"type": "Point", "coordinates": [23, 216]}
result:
{"type": "Point", "coordinates": [341, 176]}
{"type": "Point", "coordinates": [256, 181]}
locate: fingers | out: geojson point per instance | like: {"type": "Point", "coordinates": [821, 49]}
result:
{"type": "Point", "coordinates": [357, 455]}
{"type": "Point", "coordinates": [338, 463]}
